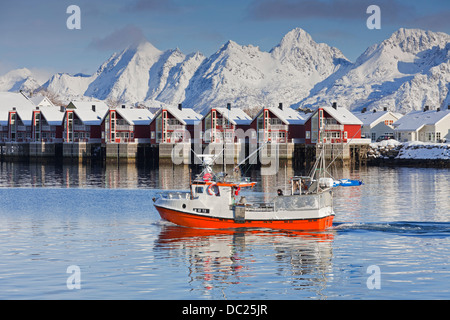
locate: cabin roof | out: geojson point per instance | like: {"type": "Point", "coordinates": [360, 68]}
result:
{"type": "Point", "coordinates": [415, 120]}
{"type": "Point", "coordinates": [136, 116]}
{"type": "Point", "coordinates": [287, 115]}
{"type": "Point", "coordinates": [186, 116]}
{"type": "Point", "coordinates": [368, 117]}
{"type": "Point", "coordinates": [24, 107]}
{"type": "Point", "coordinates": [342, 115]}
{"type": "Point", "coordinates": [235, 115]}
{"type": "Point", "coordinates": [84, 111]}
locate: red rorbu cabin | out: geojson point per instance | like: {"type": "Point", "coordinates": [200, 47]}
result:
{"type": "Point", "coordinates": [126, 124]}
{"type": "Point", "coordinates": [47, 124]}
{"type": "Point", "coordinates": [280, 125]}
{"type": "Point", "coordinates": [173, 125]}
{"type": "Point", "coordinates": [332, 125]}
{"type": "Point", "coordinates": [15, 118]}
{"type": "Point", "coordinates": [82, 121]}
{"type": "Point", "coordinates": [220, 124]}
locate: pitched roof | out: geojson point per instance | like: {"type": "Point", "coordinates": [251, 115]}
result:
{"type": "Point", "coordinates": [136, 116]}
{"type": "Point", "coordinates": [53, 115]}
{"type": "Point", "coordinates": [368, 118]}
{"type": "Point", "coordinates": [24, 107]}
{"type": "Point", "coordinates": [84, 111]}
{"type": "Point", "coordinates": [235, 115]}
{"type": "Point", "coordinates": [342, 115]}
{"type": "Point", "coordinates": [287, 115]}
{"type": "Point", "coordinates": [186, 116]}
{"type": "Point", "coordinates": [415, 120]}
{"type": "Point", "coordinates": [39, 101]}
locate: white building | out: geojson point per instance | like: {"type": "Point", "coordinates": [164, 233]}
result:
{"type": "Point", "coordinates": [377, 123]}
{"type": "Point", "coordinates": [426, 126]}
{"type": "Point", "coordinates": [41, 101]}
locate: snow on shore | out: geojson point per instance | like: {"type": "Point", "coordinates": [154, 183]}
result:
{"type": "Point", "coordinates": [423, 150]}
{"type": "Point", "coordinates": [409, 150]}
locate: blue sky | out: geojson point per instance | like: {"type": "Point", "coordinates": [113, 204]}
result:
{"type": "Point", "coordinates": [33, 34]}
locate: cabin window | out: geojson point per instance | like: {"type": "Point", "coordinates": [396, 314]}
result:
{"type": "Point", "coordinates": [198, 189]}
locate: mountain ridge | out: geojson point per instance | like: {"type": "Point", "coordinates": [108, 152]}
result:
{"type": "Point", "coordinates": [403, 72]}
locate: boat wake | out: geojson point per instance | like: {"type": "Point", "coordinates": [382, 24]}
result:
{"type": "Point", "coordinates": [407, 228]}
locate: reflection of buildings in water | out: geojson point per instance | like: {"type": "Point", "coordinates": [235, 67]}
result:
{"type": "Point", "coordinates": [173, 176]}
{"type": "Point", "coordinates": [124, 175]}
{"type": "Point", "coordinates": [217, 259]}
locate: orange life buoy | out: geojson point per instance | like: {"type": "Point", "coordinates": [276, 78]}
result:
{"type": "Point", "coordinates": [212, 191]}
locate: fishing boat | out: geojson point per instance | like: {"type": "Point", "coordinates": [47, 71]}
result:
{"type": "Point", "coordinates": [214, 201]}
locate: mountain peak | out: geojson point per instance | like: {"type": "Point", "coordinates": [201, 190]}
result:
{"type": "Point", "coordinates": [296, 38]}
{"type": "Point", "coordinates": [415, 40]}
{"type": "Point", "coordinates": [230, 45]}
{"type": "Point", "coordinates": [144, 47]}
{"type": "Point", "coordinates": [18, 79]}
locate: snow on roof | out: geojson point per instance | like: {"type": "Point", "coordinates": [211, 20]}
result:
{"type": "Point", "coordinates": [24, 107]}
{"type": "Point", "coordinates": [41, 101]}
{"type": "Point", "coordinates": [186, 116]}
{"type": "Point", "coordinates": [53, 115]}
{"type": "Point", "coordinates": [136, 116]}
{"type": "Point", "coordinates": [415, 120]}
{"type": "Point", "coordinates": [84, 111]}
{"type": "Point", "coordinates": [342, 115]}
{"type": "Point", "coordinates": [368, 117]}
{"type": "Point", "coordinates": [287, 115]}
{"type": "Point", "coordinates": [235, 115]}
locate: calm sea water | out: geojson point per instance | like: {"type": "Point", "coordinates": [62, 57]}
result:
{"type": "Point", "coordinates": [390, 239]}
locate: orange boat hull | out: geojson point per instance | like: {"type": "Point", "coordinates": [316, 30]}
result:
{"type": "Point", "coordinates": [200, 221]}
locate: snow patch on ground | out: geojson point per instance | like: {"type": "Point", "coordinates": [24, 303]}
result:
{"type": "Point", "coordinates": [409, 150]}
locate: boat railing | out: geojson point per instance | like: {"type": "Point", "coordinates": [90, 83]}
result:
{"type": "Point", "coordinates": [176, 195]}
{"type": "Point", "coordinates": [260, 206]}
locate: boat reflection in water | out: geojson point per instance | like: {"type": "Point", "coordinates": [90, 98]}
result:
{"type": "Point", "coordinates": [233, 259]}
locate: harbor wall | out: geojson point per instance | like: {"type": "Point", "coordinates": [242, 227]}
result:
{"type": "Point", "coordinates": [180, 153]}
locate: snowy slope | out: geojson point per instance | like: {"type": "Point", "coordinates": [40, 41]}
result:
{"type": "Point", "coordinates": [241, 75]}
{"type": "Point", "coordinates": [405, 72]}
{"type": "Point", "coordinates": [68, 86]}
{"type": "Point", "coordinates": [246, 76]}
{"type": "Point", "coordinates": [137, 74]}
{"type": "Point", "coordinates": [19, 79]}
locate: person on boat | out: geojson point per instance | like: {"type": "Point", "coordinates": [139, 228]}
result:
{"type": "Point", "coordinates": [304, 186]}
{"type": "Point", "coordinates": [296, 187]}
{"type": "Point", "coordinates": [279, 192]}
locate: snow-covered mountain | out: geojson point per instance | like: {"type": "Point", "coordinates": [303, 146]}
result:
{"type": "Point", "coordinates": [137, 74]}
{"type": "Point", "coordinates": [246, 76]}
{"type": "Point", "coordinates": [242, 75]}
{"type": "Point", "coordinates": [19, 79]}
{"type": "Point", "coordinates": [408, 70]}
